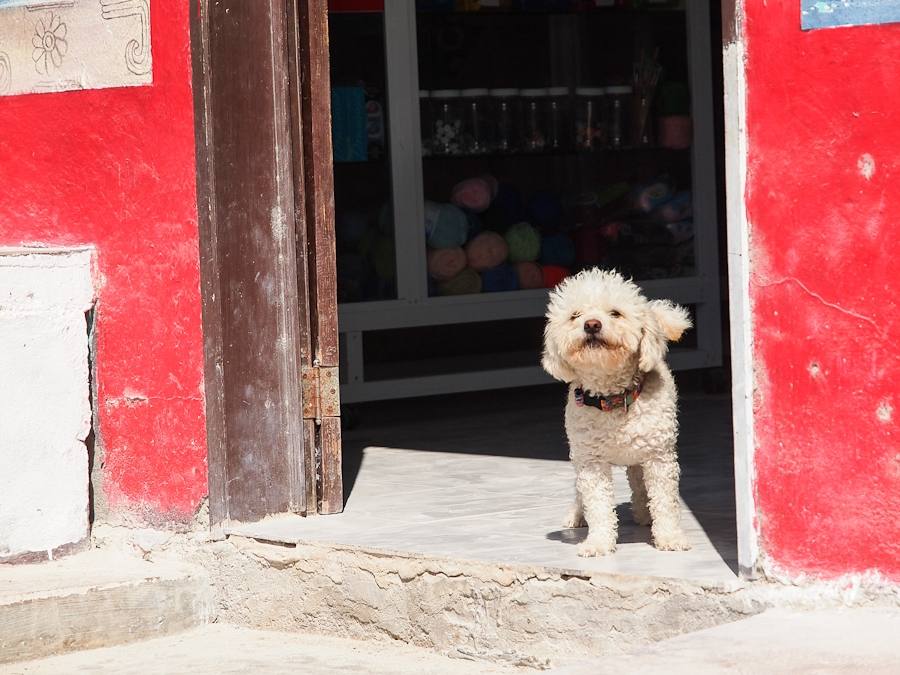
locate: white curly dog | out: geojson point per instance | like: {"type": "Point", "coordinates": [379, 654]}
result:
{"type": "Point", "coordinates": [609, 343]}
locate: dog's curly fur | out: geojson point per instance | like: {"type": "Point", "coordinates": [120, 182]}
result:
{"type": "Point", "coordinates": [629, 348]}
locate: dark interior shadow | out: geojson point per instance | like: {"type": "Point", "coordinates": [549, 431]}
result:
{"type": "Point", "coordinates": [528, 423]}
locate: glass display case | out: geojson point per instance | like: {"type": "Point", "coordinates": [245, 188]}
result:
{"type": "Point", "coordinates": [507, 145]}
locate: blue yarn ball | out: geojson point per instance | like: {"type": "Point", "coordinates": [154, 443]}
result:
{"type": "Point", "coordinates": [546, 210]}
{"type": "Point", "coordinates": [557, 250]}
{"type": "Point", "coordinates": [507, 207]}
{"type": "Point", "coordinates": [446, 226]}
{"type": "Point", "coordinates": [500, 278]}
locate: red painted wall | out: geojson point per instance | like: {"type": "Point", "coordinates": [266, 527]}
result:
{"type": "Point", "coordinates": [824, 210]}
{"type": "Point", "coordinates": [115, 168]}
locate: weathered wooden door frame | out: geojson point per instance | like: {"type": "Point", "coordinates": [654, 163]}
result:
{"type": "Point", "coordinates": [266, 221]}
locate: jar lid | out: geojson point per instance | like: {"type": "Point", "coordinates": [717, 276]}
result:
{"type": "Point", "coordinates": [504, 92]}
{"type": "Point", "coordinates": [475, 92]}
{"type": "Point", "coordinates": [535, 92]}
{"type": "Point", "coordinates": [558, 91]}
{"type": "Point", "coordinates": [590, 91]}
{"type": "Point", "coordinates": [424, 93]}
{"type": "Point", "coordinates": [445, 93]}
{"type": "Point", "coordinates": [619, 89]}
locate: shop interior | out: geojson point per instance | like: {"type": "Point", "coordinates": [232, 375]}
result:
{"type": "Point", "coordinates": [484, 150]}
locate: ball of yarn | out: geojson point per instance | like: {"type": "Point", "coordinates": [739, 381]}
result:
{"type": "Point", "coordinates": [590, 245]}
{"type": "Point", "coordinates": [486, 250]}
{"type": "Point", "coordinates": [474, 194]}
{"type": "Point", "coordinates": [475, 224]}
{"type": "Point", "coordinates": [445, 263]}
{"type": "Point", "coordinates": [546, 210]}
{"type": "Point", "coordinates": [466, 282]}
{"type": "Point", "coordinates": [553, 275]}
{"type": "Point", "coordinates": [650, 195]}
{"type": "Point", "coordinates": [445, 225]}
{"type": "Point", "coordinates": [558, 249]}
{"type": "Point", "coordinates": [383, 258]}
{"type": "Point", "coordinates": [507, 207]}
{"type": "Point", "coordinates": [677, 208]}
{"type": "Point", "coordinates": [524, 242]}
{"type": "Point", "coordinates": [530, 275]}
{"type": "Point", "coordinates": [500, 278]}
{"type": "Point", "coordinates": [351, 226]}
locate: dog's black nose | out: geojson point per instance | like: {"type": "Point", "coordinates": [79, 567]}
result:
{"type": "Point", "coordinates": [592, 326]}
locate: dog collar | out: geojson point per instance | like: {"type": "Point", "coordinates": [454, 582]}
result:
{"type": "Point", "coordinates": [611, 402]}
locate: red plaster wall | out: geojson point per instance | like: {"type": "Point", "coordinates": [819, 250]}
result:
{"type": "Point", "coordinates": [825, 278]}
{"type": "Point", "coordinates": [115, 168]}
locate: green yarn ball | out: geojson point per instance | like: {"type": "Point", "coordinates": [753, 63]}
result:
{"type": "Point", "coordinates": [466, 282]}
{"type": "Point", "coordinates": [524, 243]}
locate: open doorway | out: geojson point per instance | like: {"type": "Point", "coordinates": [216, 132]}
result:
{"type": "Point", "coordinates": [454, 124]}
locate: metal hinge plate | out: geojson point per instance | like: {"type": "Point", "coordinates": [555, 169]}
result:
{"type": "Point", "coordinates": [320, 392]}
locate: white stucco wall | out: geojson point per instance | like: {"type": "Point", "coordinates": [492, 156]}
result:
{"type": "Point", "coordinates": [45, 411]}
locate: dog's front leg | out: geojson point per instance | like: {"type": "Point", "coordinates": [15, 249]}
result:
{"type": "Point", "coordinates": [661, 479]}
{"type": "Point", "coordinates": [595, 485]}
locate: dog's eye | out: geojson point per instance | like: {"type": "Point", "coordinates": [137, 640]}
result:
{"type": "Point", "coordinates": [575, 315]}
{"type": "Point", "coordinates": [615, 314]}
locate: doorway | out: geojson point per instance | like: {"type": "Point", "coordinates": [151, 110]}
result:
{"type": "Point", "coordinates": [438, 375]}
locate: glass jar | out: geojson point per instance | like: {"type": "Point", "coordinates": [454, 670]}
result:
{"type": "Point", "coordinates": [534, 119]}
{"type": "Point", "coordinates": [475, 120]}
{"type": "Point", "coordinates": [591, 126]}
{"type": "Point", "coordinates": [505, 114]}
{"type": "Point", "coordinates": [426, 121]}
{"type": "Point", "coordinates": [619, 113]}
{"type": "Point", "coordinates": [446, 138]}
{"type": "Point", "coordinates": [557, 111]}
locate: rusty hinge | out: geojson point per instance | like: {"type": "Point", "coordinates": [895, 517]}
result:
{"type": "Point", "coordinates": [320, 392]}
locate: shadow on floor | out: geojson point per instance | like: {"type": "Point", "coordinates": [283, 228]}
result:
{"type": "Point", "coordinates": [528, 423]}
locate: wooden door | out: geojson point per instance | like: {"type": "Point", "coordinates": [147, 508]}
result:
{"type": "Point", "coordinates": [267, 259]}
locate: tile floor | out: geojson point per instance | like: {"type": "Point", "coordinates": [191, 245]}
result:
{"type": "Point", "coordinates": [485, 477]}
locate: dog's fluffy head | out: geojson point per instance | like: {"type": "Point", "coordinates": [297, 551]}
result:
{"type": "Point", "coordinates": [601, 328]}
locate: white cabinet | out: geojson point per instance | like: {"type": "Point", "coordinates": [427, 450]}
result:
{"type": "Point", "coordinates": [562, 49]}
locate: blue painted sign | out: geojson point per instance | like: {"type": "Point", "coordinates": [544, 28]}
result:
{"type": "Point", "coordinates": [833, 13]}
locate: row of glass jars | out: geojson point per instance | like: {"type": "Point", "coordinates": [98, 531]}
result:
{"type": "Point", "coordinates": [478, 121]}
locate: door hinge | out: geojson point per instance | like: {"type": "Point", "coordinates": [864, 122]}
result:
{"type": "Point", "coordinates": [320, 392]}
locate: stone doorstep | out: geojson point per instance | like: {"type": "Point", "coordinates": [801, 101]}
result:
{"type": "Point", "coordinates": [96, 599]}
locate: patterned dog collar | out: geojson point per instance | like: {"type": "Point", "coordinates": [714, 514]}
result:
{"type": "Point", "coordinates": [607, 403]}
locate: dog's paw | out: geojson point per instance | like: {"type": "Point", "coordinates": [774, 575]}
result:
{"type": "Point", "coordinates": [574, 519]}
{"type": "Point", "coordinates": [672, 541]}
{"type": "Point", "coordinates": [593, 548]}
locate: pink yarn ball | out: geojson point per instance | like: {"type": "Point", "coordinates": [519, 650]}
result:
{"type": "Point", "coordinates": [675, 131]}
{"type": "Point", "coordinates": [446, 263]}
{"type": "Point", "coordinates": [486, 250]}
{"type": "Point", "coordinates": [530, 275]}
{"type": "Point", "coordinates": [474, 194]}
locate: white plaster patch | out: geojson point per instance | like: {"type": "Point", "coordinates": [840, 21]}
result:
{"type": "Point", "coordinates": [49, 45]}
{"type": "Point", "coordinates": [45, 412]}
{"type": "Point", "coordinates": [885, 412]}
{"type": "Point", "coordinates": [866, 166]}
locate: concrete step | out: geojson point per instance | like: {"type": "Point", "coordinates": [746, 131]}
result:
{"type": "Point", "coordinates": [228, 649]}
{"type": "Point", "coordinates": [776, 642]}
{"type": "Point", "coordinates": [95, 599]}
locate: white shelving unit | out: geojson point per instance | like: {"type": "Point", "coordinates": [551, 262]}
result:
{"type": "Point", "coordinates": [414, 307]}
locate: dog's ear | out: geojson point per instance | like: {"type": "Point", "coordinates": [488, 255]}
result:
{"type": "Point", "coordinates": [664, 322]}
{"type": "Point", "coordinates": [673, 319]}
{"type": "Point", "coordinates": [552, 362]}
